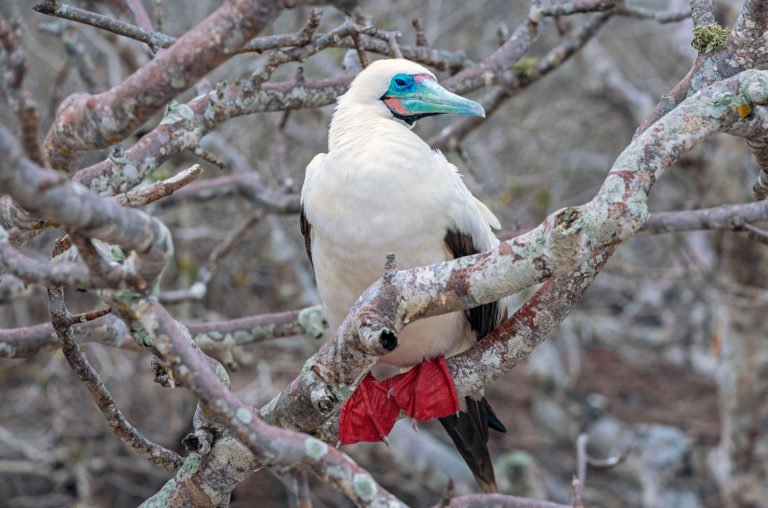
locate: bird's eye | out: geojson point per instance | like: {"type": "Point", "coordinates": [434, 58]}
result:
{"type": "Point", "coordinates": [400, 82]}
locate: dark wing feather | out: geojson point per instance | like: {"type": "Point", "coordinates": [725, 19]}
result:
{"type": "Point", "coordinates": [469, 433]}
{"type": "Point", "coordinates": [306, 231]}
{"type": "Point", "coordinates": [485, 318]}
{"type": "Point", "coordinates": [469, 430]}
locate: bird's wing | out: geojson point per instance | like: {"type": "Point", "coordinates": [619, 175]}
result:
{"type": "Point", "coordinates": [469, 232]}
{"type": "Point", "coordinates": [306, 228]}
{"type": "Point", "coordinates": [306, 232]}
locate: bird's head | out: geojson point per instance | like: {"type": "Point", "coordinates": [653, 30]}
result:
{"type": "Point", "coordinates": [406, 91]}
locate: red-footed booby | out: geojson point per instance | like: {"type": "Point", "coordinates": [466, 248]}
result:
{"type": "Point", "coordinates": [381, 189]}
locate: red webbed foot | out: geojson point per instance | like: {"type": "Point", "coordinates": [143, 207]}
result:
{"type": "Point", "coordinates": [369, 414]}
{"type": "Point", "coordinates": [424, 392]}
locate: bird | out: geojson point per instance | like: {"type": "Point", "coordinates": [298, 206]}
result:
{"type": "Point", "coordinates": [381, 189]}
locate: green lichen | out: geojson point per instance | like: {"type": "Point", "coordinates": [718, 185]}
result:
{"type": "Point", "coordinates": [307, 374]}
{"type": "Point", "coordinates": [724, 101]}
{"type": "Point", "coordinates": [176, 112]}
{"type": "Point", "coordinates": [244, 415]}
{"type": "Point", "coordinates": [364, 486]}
{"type": "Point", "coordinates": [314, 448]}
{"type": "Point", "coordinates": [341, 393]}
{"type": "Point", "coordinates": [162, 498]}
{"type": "Point", "coordinates": [190, 466]}
{"type": "Point", "coordinates": [709, 37]}
{"type": "Point", "coordinates": [526, 69]}
{"type": "Point", "coordinates": [312, 321]}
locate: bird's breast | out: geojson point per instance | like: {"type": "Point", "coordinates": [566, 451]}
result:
{"type": "Point", "coordinates": [362, 211]}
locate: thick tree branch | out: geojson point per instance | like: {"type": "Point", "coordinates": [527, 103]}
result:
{"type": "Point", "coordinates": [86, 122]}
{"type": "Point", "coordinates": [741, 50]}
{"type": "Point", "coordinates": [46, 194]}
{"type": "Point", "coordinates": [62, 273]}
{"type": "Point", "coordinates": [206, 113]}
{"type": "Point", "coordinates": [272, 446]}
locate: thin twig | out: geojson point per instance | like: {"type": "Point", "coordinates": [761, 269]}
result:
{"type": "Point", "coordinates": [140, 14]}
{"type": "Point", "coordinates": [421, 36]}
{"type": "Point", "coordinates": [720, 217]}
{"type": "Point", "coordinates": [757, 234]}
{"type": "Point", "coordinates": [450, 137]}
{"type": "Point", "coordinates": [576, 494]}
{"type": "Point", "coordinates": [220, 337]}
{"type": "Point", "coordinates": [199, 288]}
{"type": "Point", "coordinates": [154, 40]}
{"type": "Point", "coordinates": [76, 51]}
{"type": "Point", "coordinates": [122, 428]}
{"type": "Point", "coordinates": [158, 190]}
{"type": "Point", "coordinates": [303, 493]}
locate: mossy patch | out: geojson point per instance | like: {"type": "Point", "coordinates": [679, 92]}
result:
{"type": "Point", "coordinates": [526, 69]}
{"type": "Point", "coordinates": [709, 37]}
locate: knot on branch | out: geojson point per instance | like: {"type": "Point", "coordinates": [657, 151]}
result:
{"type": "Point", "coordinates": [377, 335]}
{"type": "Point", "coordinates": [199, 441]}
{"type": "Point", "coordinates": [162, 374]}
{"type": "Point", "coordinates": [567, 218]}
{"type": "Point", "coordinates": [320, 394]}
{"type": "Point", "coordinates": [377, 319]}
{"type": "Point", "coordinates": [66, 137]}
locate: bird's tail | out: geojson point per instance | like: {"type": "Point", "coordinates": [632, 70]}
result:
{"type": "Point", "coordinates": [469, 432]}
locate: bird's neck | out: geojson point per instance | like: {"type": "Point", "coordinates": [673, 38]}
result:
{"type": "Point", "coordinates": [358, 126]}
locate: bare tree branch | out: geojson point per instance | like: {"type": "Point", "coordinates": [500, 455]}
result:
{"type": "Point", "coordinates": [271, 445]}
{"type": "Point", "coordinates": [721, 217]}
{"type": "Point", "coordinates": [84, 122]}
{"type": "Point", "coordinates": [122, 428]}
{"type": "Point", "coordinates": [141, 197]}
{"type": "Point", "coordinates": [154, 40]}
{"type": "Point", "coordinates": [78, 55]}
{"type": "Point", "coordinates": [219, 337]}
{"type": "Point", "coordinates": [46, 194]}
{"type": "Point", "coordinates": [450, 137]}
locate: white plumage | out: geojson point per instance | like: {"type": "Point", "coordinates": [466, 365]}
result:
{"type": "Point", "coordinates": [379, 189]}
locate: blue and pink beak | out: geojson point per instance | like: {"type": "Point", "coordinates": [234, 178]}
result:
{"type": "Point", "coordinates": [414, 96]}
